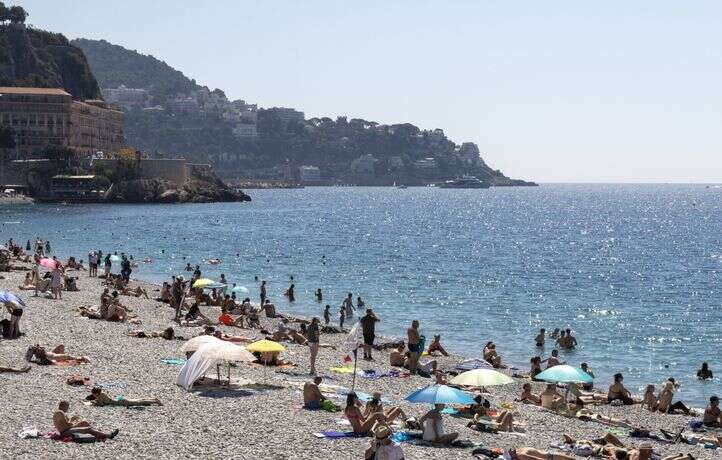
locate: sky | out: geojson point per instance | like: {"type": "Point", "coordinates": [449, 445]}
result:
{"type": "Point", "coordinates": [551, 91]}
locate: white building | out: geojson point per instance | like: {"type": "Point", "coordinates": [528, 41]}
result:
{"type": "Point", "coordinates": [426, 163]}
{"type": "Point", "coordinates": [309, 174]}
{"type": "Point", "coordinates": [126, 97]}
{"type": "Point", "coordinates": [245, 131]}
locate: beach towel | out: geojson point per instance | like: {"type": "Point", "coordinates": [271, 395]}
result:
{"type": "Point", "coordinates": [449, 410]}
{"type": "Point", "coordinates": [474, 363]}
{"type": "Point", "coordinates": [342, 369]}
{"type": "Point", "coordinates": [173, 361]}
{"type": "Point", "coordinates": [333, 434]}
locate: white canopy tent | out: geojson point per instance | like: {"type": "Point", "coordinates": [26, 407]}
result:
{"type": "Point", "coordinates": [209, 355]}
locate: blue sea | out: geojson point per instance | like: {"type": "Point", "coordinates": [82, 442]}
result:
{"type": "Point", "coordinates": [634, 270]}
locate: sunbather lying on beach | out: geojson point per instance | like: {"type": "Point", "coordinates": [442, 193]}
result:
{"type": "Point", "coordinates": [231, 338]}
{"type": "Point", "coordinates": [270, 358]}
{"type": "Point", "coordinates": [37, 354]}
{"type": "Point", "coordinates": [376, 406]}
{"type": "Point", "coordinates": [529, 453]}
{"type": "Point", "coordinates": [608, 438]}
{"type": "Point", "coordinates": [194, 317]}
{"type": "Point", "coordinates": [168, 334]}
{"type": "Point", "coordinates": [589, 416]}
{"type": "Point", "coordinates": [69, 426]}
{"type": "Point", "coordinates": [137, 292]}
{"type": "Point", "coordinates": [480, 407]}
{"type": "Point", "coordinates": [503, 422]}
{"type": "Point", "coordinates": [98, 398]}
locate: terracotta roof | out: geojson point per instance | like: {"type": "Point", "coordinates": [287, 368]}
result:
{"type": "Point", "coordinates": [26, 90]}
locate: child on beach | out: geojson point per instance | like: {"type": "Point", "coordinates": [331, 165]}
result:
{"type": "Point", "coordinates": [341, 317]}
{"type": "Point", "coordinates": [327, 314]}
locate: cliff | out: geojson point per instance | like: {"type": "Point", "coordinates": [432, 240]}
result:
{"type": "Point", "coordinates": [202, 187]}
{"type": "Point", "coordinates": [32, 57]}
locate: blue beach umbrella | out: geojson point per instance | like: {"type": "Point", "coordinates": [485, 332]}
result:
{"type": "Point", "coordinates": [9, 297]}
{"type": "Point", "coordinates": [440, 394]}
{"type": "Point", "coordinates": [564, 373]}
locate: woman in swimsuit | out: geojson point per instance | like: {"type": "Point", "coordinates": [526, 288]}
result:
{"type": "Point", "coordinates": [361, 425]}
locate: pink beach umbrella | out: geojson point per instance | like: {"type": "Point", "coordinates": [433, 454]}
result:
{"type": "Point", "coordinates": [49, 263]}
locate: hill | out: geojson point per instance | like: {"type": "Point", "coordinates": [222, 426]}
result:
{"type": "Point", "coordinates": [208, 128]}
{"type": "Point", "coordinates": [32, 57]}
{"type": "Point", "coordinates": [114, 65]}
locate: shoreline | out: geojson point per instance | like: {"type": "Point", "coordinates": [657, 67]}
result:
{"type": "Point", "coordinates": [189, 424]}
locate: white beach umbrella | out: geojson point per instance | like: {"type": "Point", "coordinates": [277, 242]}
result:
{"type": "Point", "coordinates": [226, 351]}
{"type": "Point", "coordinates": [195, 343]}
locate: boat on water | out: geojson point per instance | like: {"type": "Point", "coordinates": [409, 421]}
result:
{"type": "Point", "coordinates": [464, 182]}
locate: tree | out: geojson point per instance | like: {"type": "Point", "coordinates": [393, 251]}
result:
{"type": "Point", "coordinates": [4, 13]}
{"type": "Point", "coordinates": [17, 14]}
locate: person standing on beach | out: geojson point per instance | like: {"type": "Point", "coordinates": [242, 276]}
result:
{"type": "Point", "coordinates": [47, 247]}
{"type": "Point", "coordinates": [368, 326]}
{"type": "Point", "coordinates": [341, 317]}
{"type": "Point", "coordinates": [57, 282]}
{"type": "Point", "coordinates": [327, 314]}
{"type": "Point", "coordinates": [177, 293]}
{"type": "Point", "coordinates": [108, 265]}
{"type": "Point", "coordinates": [125, 269]}
{"type": "Point", "coordinates": [264, 293]}
{"type": "Point", "coordinates": [313, 337]}
{"type": "Point", "coordinates": [414, 340]}
{"type": "Point", "coordinates": [348, 305]}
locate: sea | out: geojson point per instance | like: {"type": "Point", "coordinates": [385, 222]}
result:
{"type": "Point", "coordinates": [633, 270]}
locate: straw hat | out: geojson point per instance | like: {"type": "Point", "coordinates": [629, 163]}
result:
{"type": "Point", "coordinates": [382, 432]}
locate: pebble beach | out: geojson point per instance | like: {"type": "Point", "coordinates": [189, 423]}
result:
{"type": "Point", "coordinates": [249, 420]}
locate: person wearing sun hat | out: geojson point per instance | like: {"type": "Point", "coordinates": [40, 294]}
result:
{"type": "Point", "coordinates": [382, 447]}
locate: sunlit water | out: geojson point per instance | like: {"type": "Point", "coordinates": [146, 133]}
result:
{"type": "Point", "coordinates": [634, 270]}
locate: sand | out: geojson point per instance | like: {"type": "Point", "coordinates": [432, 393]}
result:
{"type": "Point", "coordinates": [231, 423]}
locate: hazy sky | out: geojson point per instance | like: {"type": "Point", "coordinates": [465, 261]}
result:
{"type": "Point", "coordinates": [554, 91]}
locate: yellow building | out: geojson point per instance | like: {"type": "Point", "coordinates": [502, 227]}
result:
{"type": "Point", "coordinates": [49, 117]}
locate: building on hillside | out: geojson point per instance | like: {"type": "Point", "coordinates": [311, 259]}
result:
{"type": "Point", "coordinates": [184, 105]}
{"type": "Point", "coordinates": [244, 131]}
{"type": "Point", "coordinates": [309, 175]}
{"type": "Point", "coordinates": [364, 164]}
{"type": "Point", "coordinates": [426, 163]}
{"type": "Point", "coordinates": [43, 118]}
{"type": "Point", "coordinates": [287, 115]}
{"type": "Point", "coordinates": [128, 98]}
{"type": "Point", "coordinates": [396, 162]}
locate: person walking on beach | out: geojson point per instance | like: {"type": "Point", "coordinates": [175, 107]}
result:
{"type": "Point", "coordinates": [368, 326]}
{"type": "Point", "coordinates": [314, 337]}
{"type": "Point", "coordinates": [264, 292]}
{"type": "Point", "coordinates": [414, 340]}
{"type": "Point", "coordinates": [177, 293]}
{"type": "Point", "coordinates": [327, 314]}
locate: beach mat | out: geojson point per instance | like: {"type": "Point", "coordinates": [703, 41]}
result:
{"type": "Point", "coordinates": [173, 361]}
{"type": "Point", "coordinates": [333, 434]}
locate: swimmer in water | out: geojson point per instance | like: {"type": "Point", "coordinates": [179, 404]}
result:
{"type": "Point", "coordinates": [539, 339]}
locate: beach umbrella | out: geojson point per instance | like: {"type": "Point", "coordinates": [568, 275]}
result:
{"type": "Point", "coordinates": [196, 342]}
{"type": "Point", "coordinates": [227, 351]}
{"type": "Point", "coordinates": [240, 290]}
{"type": "Point", "coordinates": [265, 346]}
{"type": "Point", "coordinates": [440, 394]}
{"type": "Point", "coordinates": [9, 297]}
{"type": "Point", "coordinates": [564, 373]}
{"type": "Point", "coordinates": [49, 263]}
{"type": "Point", "coordinates": [482, 378]}
{"type": "Point", "coordinates": [115, 258]}
{"type": "Point", "coordinates": [205, 283]}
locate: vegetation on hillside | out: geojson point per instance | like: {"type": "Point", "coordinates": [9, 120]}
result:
{"type": "Point", "coordinates": [32, 57]}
